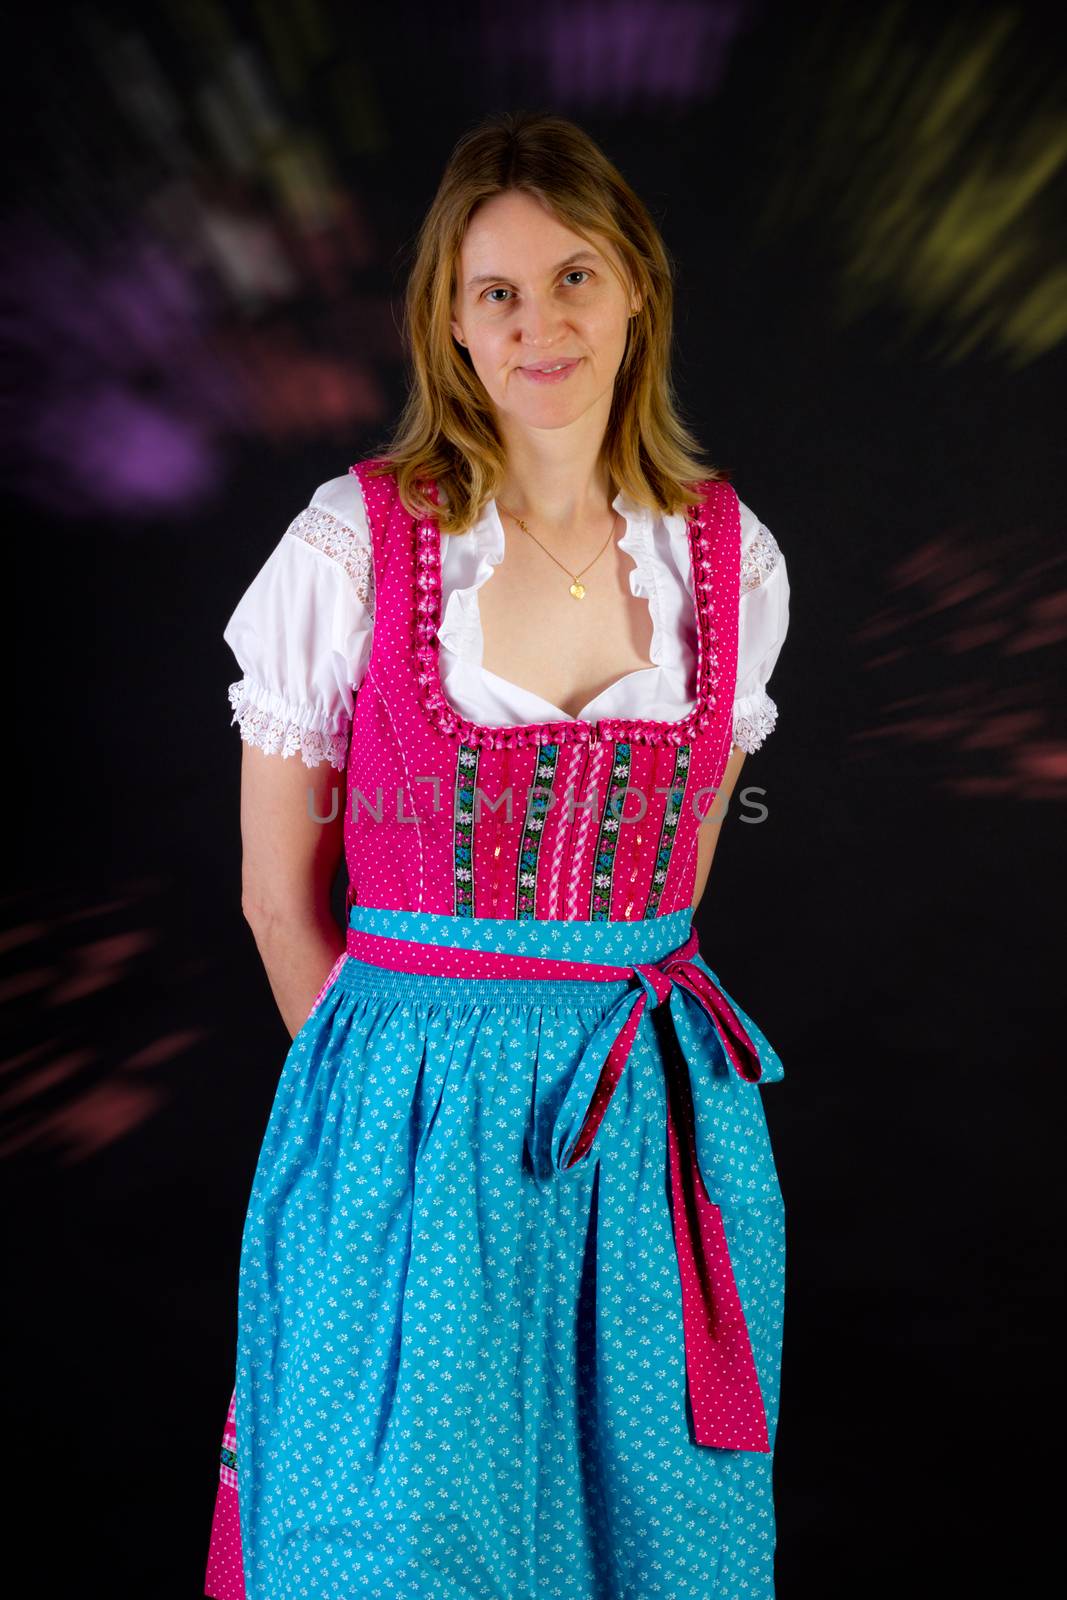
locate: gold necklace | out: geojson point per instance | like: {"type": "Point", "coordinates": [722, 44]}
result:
{"type": "Point", "coordinates": [577, 586]}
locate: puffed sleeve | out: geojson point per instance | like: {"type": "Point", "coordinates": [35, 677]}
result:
{"type": "Point", "coordinates": [302, 630]}
{"type": "Point", "coordinates": [763, 621]}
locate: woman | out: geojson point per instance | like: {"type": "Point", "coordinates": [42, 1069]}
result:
{"type": "Point", "coordinates": [510, 1293]}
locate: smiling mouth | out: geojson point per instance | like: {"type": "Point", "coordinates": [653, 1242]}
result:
{"type": "Point", "coordinates": [556, 366]}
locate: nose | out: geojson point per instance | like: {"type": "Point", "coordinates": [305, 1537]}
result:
{"type": "Point", "coordinates": [541, 324]}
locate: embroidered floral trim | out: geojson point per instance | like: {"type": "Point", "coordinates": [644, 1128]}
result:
{"type": "Point", "coordinates": [759, 559]}
{"type": "Point", "coordinates": [607, 843]}
{"type": "Point", "coordinates": [668, 830]}
{"type": "Point", "coordinates": [319, 527]}
{"type": "Point", "coordinates": [533, 826]}
{"type": "Point", "coordinates": [463, 833]}
{"type": "Point", "coordinates": [754, 719]}
{"type": "Point", "coordinates": [228, 1453]}
{"type": "Point", "coordinates": [446, 720]}
{"type": "Point", "coordinates": [275, 729]}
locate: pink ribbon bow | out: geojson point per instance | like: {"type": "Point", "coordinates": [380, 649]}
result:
{"type": "Point", "coordinates": [724, 1391]}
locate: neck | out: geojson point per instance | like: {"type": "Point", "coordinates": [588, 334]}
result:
{"type": "Point", "coordinates": [558, 490]}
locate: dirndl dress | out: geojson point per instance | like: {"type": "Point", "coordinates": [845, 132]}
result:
{"type": "Point", "coordinates": [510, 1296]}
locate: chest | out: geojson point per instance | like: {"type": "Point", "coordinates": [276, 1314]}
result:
{"type": "Point", "coordinates": [603, 818]}
{"type": "Point", "coordinates": [537, 635]}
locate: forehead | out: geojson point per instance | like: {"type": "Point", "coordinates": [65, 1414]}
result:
{"type": "Point", "coordinates": [514, 235]}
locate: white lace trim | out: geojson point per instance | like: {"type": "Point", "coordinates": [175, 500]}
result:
{"type": "Point", "coordinates": [754, 718]}
{"type": "Point", "coordinates": [759, 558]}
{"type": "Point", "coordinates": [336, 539]}
{"type": "Point", "coordinates": [267, 722]}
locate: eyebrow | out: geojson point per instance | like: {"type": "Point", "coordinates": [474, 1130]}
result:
{"type": "Point", "coordinates": [493, 277]}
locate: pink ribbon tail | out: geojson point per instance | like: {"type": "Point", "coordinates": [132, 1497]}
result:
{"type": "Point", "coordinates": [723, 1384]}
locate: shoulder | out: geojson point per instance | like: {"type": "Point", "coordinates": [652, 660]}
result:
{"type": "Point", "coordinates": [761, 554]}
{"type": "Point", "coordinates": [336, 506]}
{"type": "Point", "coordinates": [334, 522]}
{"type": "Point", "coordinates": [302, 631]}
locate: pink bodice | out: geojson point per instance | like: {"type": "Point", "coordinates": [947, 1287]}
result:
{"type": "Point", "coordinates": [603, 815]}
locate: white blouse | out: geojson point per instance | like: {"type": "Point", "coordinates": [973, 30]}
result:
{"type": "Point", "coordinates": [301, 632]}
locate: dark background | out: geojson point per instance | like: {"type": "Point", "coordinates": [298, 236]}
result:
{"type": "Point", "coordinates": [209, 217]}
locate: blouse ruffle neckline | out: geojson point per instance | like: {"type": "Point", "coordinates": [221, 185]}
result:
{"type": "Point", "coordinates": [459, 630]}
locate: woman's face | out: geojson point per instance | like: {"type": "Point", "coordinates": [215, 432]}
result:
{"type": "Point", "coordinates": [522, 302]}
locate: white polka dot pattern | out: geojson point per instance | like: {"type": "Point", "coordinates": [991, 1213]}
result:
{"type": "Point", "coordinates": [412, 839]}
{"type": "Point", "coordinates": [724, 1394]}
{"type": "Point", "coordinates": [511, 1284]}
{"type": "Point", "coordinates": [224, 1579]}
{"type": "Point", "coordinates": [461, 1363]}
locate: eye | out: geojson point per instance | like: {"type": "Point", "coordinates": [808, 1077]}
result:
{"type": "Point", "coordinates": [575, 272]}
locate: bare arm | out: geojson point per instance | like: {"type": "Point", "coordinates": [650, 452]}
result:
{"type": "Point", "coordinates": [708, 832]}
{"type": "Point", "coordinates": [288, 864]}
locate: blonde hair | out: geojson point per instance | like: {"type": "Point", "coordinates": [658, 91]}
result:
{"type": "Point", "coordinates": [447, 431]}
